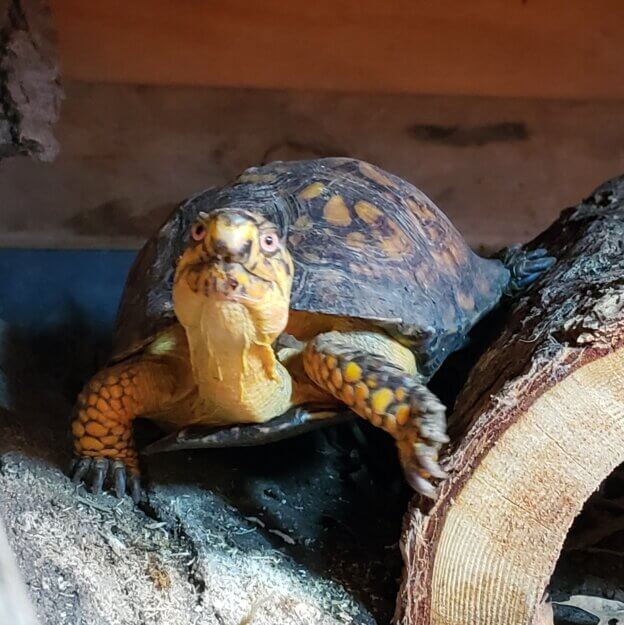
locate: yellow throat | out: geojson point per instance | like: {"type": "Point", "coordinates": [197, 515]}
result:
{"type": "Point", "coordinates": [232, 294]}
{"type": "Point", "coordinates": [238, 376]}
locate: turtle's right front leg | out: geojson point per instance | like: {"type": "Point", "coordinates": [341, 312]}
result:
{"type": "Point", "coordinates": [104, 416]}
{"type": "Point", "coordinates": [369, 380]}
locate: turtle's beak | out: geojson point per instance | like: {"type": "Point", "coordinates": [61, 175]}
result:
{"type": "Point", "coordinates": [230, 237]}
{"type": "Point", "coordinates": [229, 242]}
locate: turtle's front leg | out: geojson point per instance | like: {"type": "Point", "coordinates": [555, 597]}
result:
{"type": "Point", "coordinates": [104, 417]}
{"type": "Point", "coordinates": [386, 395]}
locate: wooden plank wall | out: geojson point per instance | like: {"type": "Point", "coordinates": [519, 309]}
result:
{"type": "Point", "coordinates": [500, 168]}
{"type": "Point", "coordinates": [513, 48]}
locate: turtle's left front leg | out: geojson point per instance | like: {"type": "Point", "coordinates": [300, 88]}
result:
{"type": "Point", "coordinates": [358, 368]}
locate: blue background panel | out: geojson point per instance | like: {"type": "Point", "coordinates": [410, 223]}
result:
{"type": "Point", "coordinates": [43, 289]}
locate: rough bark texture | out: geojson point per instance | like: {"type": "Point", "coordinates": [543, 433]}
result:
{"type": "Point", "coordinates": [30, 92]}
{"type": "Point", "coordinates": [538, 426]}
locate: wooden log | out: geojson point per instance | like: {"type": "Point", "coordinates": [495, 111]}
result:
{"type": "Point", "coordinates": [30, 92]}
{"type": "Point", "coordinates": [536, 429]}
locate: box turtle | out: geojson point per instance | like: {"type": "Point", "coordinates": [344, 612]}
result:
{"type": "Point", "coordinates": [265, 307]}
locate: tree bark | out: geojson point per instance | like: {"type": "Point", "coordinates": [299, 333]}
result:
{"type": "Point", "coordinates": [536, 429]}
{"type": "Point", "coordinates": [30, 92]}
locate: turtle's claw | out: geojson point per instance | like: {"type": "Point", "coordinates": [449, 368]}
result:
{"type": "Point", "coordinates": [79, 469]}
{"type": "Point", "coordinates": [99, 469]}
{"type": "Point", "coordinates": [119, 478]}
{"type": "Point", "coordinates": [135, 488]}
{"type": "Point", "coordinates": [419, 449]}
{"type": "Point", "coordinates": [428, 460]}
{"type": "Point", "coordinates": [419, 483]}
{"type": "Point", "coordinates": [96, 472]}
{"type": "Point", "coordinates": [525, 266]}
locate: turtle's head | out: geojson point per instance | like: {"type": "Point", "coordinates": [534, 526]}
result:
{"type": "Point", "coordinates": [235, 260]}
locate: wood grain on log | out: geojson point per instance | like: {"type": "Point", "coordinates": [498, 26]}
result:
{"type": "Point", "coordinates": [538, 426]}
{"type": "Point", "coordinates": [30, 92]}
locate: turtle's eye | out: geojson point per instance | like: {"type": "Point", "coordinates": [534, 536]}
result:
{"type": "Point", "coordinates": [269, 242]}
{"type": "Point", "coordinates": [198, 231]}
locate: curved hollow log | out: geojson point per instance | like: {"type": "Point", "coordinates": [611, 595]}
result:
{"type": "Point", "coordinates": [536, 429]}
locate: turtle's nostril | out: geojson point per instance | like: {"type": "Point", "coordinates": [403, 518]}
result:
{"type": "Point", "coordinates": [230, 254]}
{"type": "Point", "coordinates": [221, 250]}
{"type": "Point", "coordinates": [232, 283]}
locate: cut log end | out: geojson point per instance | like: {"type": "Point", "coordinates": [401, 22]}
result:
{"type": "Point", "coordinates": [538, 426]}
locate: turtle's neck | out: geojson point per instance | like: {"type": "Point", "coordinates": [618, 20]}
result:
{"type": "Point", "coordinates": [237, 375]}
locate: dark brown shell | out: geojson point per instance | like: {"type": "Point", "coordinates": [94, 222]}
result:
{"type": "Point", "coordinates": [365, 244]}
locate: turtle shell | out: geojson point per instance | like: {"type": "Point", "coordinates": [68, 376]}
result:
{"type": "Point", "coordinates": [365, 244]}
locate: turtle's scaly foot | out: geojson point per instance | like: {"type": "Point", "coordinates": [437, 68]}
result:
{"type": "Point", "coordinates": [99, 471]}
{"type": "Point", "coordinates": [389, 398]}
{"type": "Point", "coordinates": [103, 423]}
{"type": "Point", "coordinates": [525, 266]}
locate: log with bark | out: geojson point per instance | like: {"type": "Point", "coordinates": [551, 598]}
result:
{"type": "Point", "coordinates": [30, 92]}
{"type": "Point", "coordinates": [537, 427]}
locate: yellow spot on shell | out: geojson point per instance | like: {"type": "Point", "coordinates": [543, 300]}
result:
{"type": "Point", "coordinates": [375, 174]}
{"type": "Point", "coordinates": [399, 393]}
{"type": "Point", "coordinates": [367, 212]}
{"type": "Point", "coordinates": [355, 240]}
{"type": "Point", "coordinates": [311, 191]}
{"type": "Point", "coordinates": [352, 372]}
{"type": "Point", "coordinates": [331, 362]}
{"type": "Point", "coordinates": [381, 399]}
{"type": "Point", "coordinates": [78, 429]}
{"type": "Point", "coordinates": [396, 245]}
{"type": "Point", "coordinates": [420, 210]}
{"type": "Point", "coordinates": [336, 212]}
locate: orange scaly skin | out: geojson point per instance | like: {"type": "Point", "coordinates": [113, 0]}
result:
{"type": "Point", "coordinates": [386, 395]}
{"type": "Point", "coordinates": [107, 406]}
